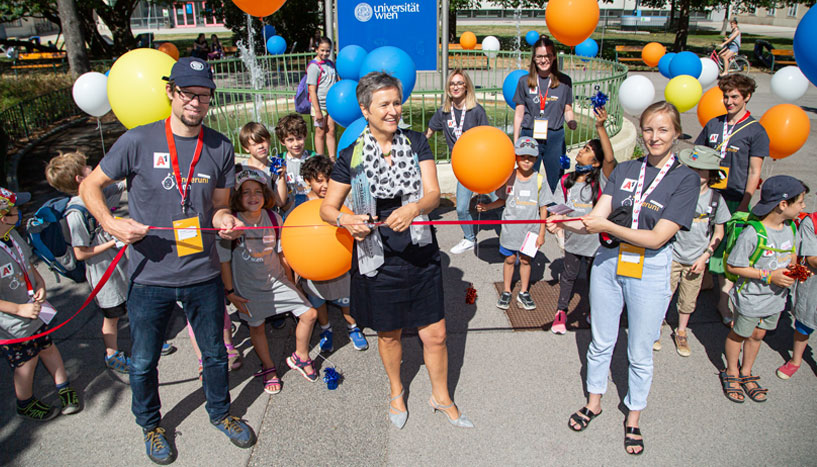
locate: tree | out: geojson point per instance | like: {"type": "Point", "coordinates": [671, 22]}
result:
{"type": "Point", "coordinates": [74, 42]}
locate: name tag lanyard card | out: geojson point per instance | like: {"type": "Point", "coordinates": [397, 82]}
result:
{"type": "Point", "coordinates": [540, 125]}
{"type": "Point", "coordinates": [187, 228]}
{"type": "Point", "coordinates": [727, 135]}
{"type": "Point", "coordinates": [631, 257]}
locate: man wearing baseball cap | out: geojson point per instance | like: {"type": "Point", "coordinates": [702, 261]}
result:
{"type": "Point", "coordinates": [179, 175]}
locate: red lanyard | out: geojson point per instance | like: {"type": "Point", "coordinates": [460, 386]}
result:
{"type": "Point", "coordinates": [542, 99]}
{"type": "Point", "coordinates": [184, 191]}
{"type": "Point", "coordinates": [20, 262]}
{"type": "Point", "coordinates": [727, 133]}
{"type": "Point", "coordinates": [638, 200]}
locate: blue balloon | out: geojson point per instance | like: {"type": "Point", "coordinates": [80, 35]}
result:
{"type": "Point", "coordinates": [350, 59]}
{"type": "Point", "coordinates": [341, 102]}
{"type": "Point", "coordinates": [276, 45]}
{"type": "Point", "coordinates": [531, 37]}
{"type": "Point", "coordinates": [589, 48]}
{"type": "Point", "coordinates": [269, 31]}
{"type": "Point", "coordinates": [663, 64]}
{"type": "Point", "coordinates": [351, 133]}
{"type": "Point", "coordinates": [395, 62]}
{"type": "Point", "coordinates": [509, 86]}
{"type": "Point", "coordinates": [804, 51]}
{"type": "Point", "coordinates": [685, 63]}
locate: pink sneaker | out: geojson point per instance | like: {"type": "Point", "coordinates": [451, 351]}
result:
{"type": "Point", "coordinates": [559, 322]}
{"type": "Point", "coordinates": [787, 371]}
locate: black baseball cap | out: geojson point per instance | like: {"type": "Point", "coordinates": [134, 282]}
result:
{"type": "Point", "coordinates": [191, 71]}
{"type": "Point", "coordinates": [776, 189]}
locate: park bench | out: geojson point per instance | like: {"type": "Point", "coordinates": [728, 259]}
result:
{"type": "Point", "coordinates": [467, 61]}
{"type": "Point", "coordinates": [782, 53]}
{"type": "Point", "coordinates": [34, 60]}
{"type": "Point", "coordinates": [628, 49]}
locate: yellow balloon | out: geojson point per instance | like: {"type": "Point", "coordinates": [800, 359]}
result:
{"type": "Point", "coordinates": [136, 89]}
{"type": "Point", "coordinates": [683, 92]}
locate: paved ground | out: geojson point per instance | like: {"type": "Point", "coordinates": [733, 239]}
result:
{"type": "Point", "coordinates": [518, 387]}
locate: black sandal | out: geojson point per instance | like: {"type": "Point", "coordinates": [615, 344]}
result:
{"type": "Point", "coordinates": [632, 442]}
{"type": "Point", "coordinates": [582, 422]}
{"type": "Point", "coordinates": [730, 390]}
{"type": "Point", "coordinates": [755, 392]}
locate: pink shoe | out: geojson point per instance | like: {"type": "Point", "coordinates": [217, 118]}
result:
{"type": "Point", "coordinates": [559, 323]}
{"type": "Point", "coordinates": [787, 371]}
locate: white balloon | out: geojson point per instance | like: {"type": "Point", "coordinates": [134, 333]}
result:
{"type": "Point", "coordinates": [709, 72]}
{"type": "Point", "coordinates": [490, 45]}
{"type": "Point", "coordinates": [91, 93]}
{"type": "Point", "coordinates": [636, 94]}
{"type": "Point", "coordinates": [789, 83]}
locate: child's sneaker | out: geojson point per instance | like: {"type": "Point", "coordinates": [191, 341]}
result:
{"type": "Point", "coordinates": [787, 370]}
{"type": "Point", "coordinates": [525, 300]}
{"type": "Point", "coordinates": [167, 349]}
{"type": "Point", "coordinates": [118, 362]}
{"type": "Point", "coordinates": [237, 430]}
{"type": "Point", "coordinates": [70, 401]}
{"type": "Point", "coordinates": [504, 301]}
{"type": "Point", "coordinates": [327, 340]}
{"type": "Point", "coordinates": [157, 447]}
{"type": "Point", "coordinates": [358, 339]}
{"type": "Point", "coordinates": [682, 343]}
{"type": "Point", "coordinates": [559, 325]}
{"type": "Point", "coordinates": [38, 411]}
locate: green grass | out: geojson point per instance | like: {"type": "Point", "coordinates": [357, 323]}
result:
{"type": "Point", "coordinates": [15, 89]}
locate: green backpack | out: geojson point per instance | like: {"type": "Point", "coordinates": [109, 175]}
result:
{"type": "Point", "coordinates": [735, 226]}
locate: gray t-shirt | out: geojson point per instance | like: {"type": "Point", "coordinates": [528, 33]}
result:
{"type": "Point", "coordinates": [141, 156]}
{"type": "Point", "coordinates": [447, 121]}
{"type": "Point", "coordinates": [557, 99]}
{"type": "Point", "coordinates": [523, 198]}
{"type": "Point", "coordinates": [333, 289]}
{"type": "Point", "coordinates": [580, 199]}
{"type": "Point", "coordinates": [749, 139]}
{"type": "Point", "coordinates": [691, 244]}
{"type": "Point", "coordinates": [115, 291]}
{"type": "Point", "coordinates": [322, 76]}
{"type": "Point", "coordinates": [805, 309]}
{"type": "Point", "coordinates": [13, 289]}
{"type": "Point", "coordinates": [751, 297]}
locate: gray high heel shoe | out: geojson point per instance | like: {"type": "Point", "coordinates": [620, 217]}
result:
{"type": "Point", "coordinates": [461, 422]}
{"type": "Point", "coordinates": [397, 419]}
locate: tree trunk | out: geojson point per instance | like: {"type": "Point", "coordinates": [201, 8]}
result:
{"type": "Point", "coordinates": [725, 18]}
{"type": "Point", "coordinates": [452, 25]}
{"type": "Point", "coordinates": [74, 41]}
{"type": "Point", "coordinates": [683, 27]}
{"type": "Point", "coordinates": [672, 15]}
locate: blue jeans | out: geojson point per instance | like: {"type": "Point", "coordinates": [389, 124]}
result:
{"type": "Point", "coordinates": [550, 151]}
{"type": "Point", "coordinates": [463, 214]}
{"type": "Point", "coordinates": [149, 311]}
{"type": "Point", "coordinates": [647, 300]}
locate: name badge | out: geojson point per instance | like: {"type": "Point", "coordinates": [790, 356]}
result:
{"type": "Point", "coordinates": [188, 236]}
{"type": "Point", "coordinates": [524, 193]}
{"type": "Point", "coordinates": [540, 129]}
{"type": "Point", "coordinates": [630, 261]}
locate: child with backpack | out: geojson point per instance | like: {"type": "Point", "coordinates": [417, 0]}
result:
{"type": "Point", "coordinates": [693, 248]}
{"type": "Point", "coordinates": [258, 280]}
{"type": "Point", "coordinates": [580, 190]}
{"type": "Point", "coordinates": [23, 315]}
{"type": "Point", "coordinates": [255, 140]}
{"type": "Point", "coordinates": [320, 76]}
{"type": "Point", "coordinates": [96, 247]}
{"type": "Point", "coordinates": [759, 259]}
{"type": "Point", "coordinates": [291, 132]}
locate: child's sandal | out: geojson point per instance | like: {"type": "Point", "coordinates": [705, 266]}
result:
{"type": "Point", "coordinates": [234, 360]}
{"type": "Point", "coordinates": [272, 385]}
{"type": "Point", "coordinates": [730, 388]}
{"type": "Point", "coordinates": [756, 393]}
{"type": "Point", "coordinates": [299, 365]}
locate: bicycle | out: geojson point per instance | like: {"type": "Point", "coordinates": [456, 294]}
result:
{"type": "Point", "coordinates": [738, 63]}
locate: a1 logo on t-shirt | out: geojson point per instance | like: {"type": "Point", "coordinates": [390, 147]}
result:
{"type": "Point", "coordinates": [161, 160]}
{"type": "Point", "coordinates": [628, 184]}
{"type": "Point", "coordinates": [6, 270]}
{"type": "Point", "coordinates": [713, 138]}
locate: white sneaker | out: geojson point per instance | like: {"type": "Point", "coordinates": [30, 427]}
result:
{"type": "Point", "coordinates": [463, 246]}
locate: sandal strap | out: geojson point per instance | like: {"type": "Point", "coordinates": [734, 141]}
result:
{"type": "Point", "coordinates": [749, 379]}
{"type": "Point", "coordinates": [588, 413]}
{"type": "Point", "coordinates": [300, 363]}
{"type": "Point", "coordinates": [632, 430]}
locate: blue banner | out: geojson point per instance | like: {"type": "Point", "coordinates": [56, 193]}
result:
{"type": "Point", "coordinates": [409, 25]}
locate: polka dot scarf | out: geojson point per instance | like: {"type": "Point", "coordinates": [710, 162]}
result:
{"type": "Point", "coordinates": [401, 178]}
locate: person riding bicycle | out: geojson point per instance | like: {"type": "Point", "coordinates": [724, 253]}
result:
{"type": "Point", "coordinates": [730, 46]}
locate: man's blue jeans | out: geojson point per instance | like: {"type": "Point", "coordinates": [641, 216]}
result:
{"type": "Point", "coordinates": [149, 311]}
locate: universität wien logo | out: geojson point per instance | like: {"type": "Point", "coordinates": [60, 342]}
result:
{"type": "Point", "coordinates": [363, 12]}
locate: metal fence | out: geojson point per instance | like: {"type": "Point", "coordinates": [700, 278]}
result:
{"type": "Point", "coordinates": [22, 120]}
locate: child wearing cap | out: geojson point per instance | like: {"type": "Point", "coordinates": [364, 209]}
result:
{"type": "Point", "coordinates": [759, 295]}
{"type": "Point", "coordinates": [22, 299]}
{"type": "Point", "coordinates": [523, 198]}
{"type": "Point", "coordinates": [693, 248]}
{"type": "Point", "coordinates": [258, 280]}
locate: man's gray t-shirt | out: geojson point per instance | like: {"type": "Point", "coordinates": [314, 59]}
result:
{"type": "Point", "coordinates": [13, 289]}
{"type": "Point", "coordinates": [557, 99]}
{"type": "Point", "coordinates": [523, 198]}
{"type": "Point", "coordinates": [580, 199]}
{"type": "Point", "coordinates": [751, 297]}
{"type": "Point", "coordinates": [323, 79]}
{"type": "Point", "coordinates": [141, 156]}
{"type": "Point", "coordinates": [447, 121]}
{"type": "Point", "coordinates": [115, 291]}
{"type": "Point", "coordinates": [691, 244]}
{"type": "Point", "coordinates": [748, 140]}
{"type": "Point", "coordinates": [805, 309]}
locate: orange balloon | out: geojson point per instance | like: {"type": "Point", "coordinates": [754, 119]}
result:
{"type": "Point", "coordinates": [788, 127]}
{"type": "Point", "coordinates": [170, 49]}
{"type": "Point", "coordinates": [468, 40]}
{"type": "Point", "coordinates": [483, 159]}
{"type": "Point", "coordinates": [318, 251]}
{"type": "Point", "coordinates": [652, 53]}
{"type": "Point", "coordinates": [259, 8]}
{"type": "Point", "coordinates": [711, 105]}
{"type": "Point", "coordinates": [572, 21]}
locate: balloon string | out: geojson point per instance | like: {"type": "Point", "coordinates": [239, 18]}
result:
{"type": "Point", "coordinates": [101, 137]}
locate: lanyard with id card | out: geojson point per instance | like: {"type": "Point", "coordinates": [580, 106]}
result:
{"type": "Point", "coordinates": [540, 124]}
{"type": "Point", "coordinates": [631, 257]}
{"type": "Point", "coordinates": [186, 224]}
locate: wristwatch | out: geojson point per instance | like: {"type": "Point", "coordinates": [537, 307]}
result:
{"type": "Point", "coordinates": [337, 221]}
{"type": "Point", "coordinates": [228, 291]}
{"type": "Point", "coordinates": [710, 251]}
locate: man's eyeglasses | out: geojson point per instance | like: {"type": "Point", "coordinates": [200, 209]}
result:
{"type": "Point", "coordinates": [188, 96]}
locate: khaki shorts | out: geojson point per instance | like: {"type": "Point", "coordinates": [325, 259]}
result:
{"type": "Point", "coordinates": [744, 325]}
{"type": "Point", "coordinates": [688, 285]}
